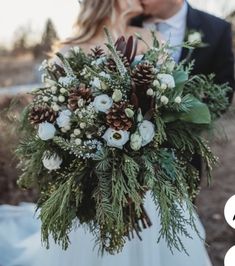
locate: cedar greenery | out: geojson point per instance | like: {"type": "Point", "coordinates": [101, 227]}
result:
{"type": "Point", "coordinates": [102, 187]}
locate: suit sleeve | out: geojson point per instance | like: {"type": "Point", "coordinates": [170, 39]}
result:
{"type": "Point", "coordinates": [224, 61]}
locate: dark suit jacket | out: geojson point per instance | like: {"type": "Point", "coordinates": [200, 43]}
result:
{"type": "Point", "coordinates": [216, 58]}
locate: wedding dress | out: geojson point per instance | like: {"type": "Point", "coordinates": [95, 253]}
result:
{"type": "Point", "coordinates": [20, 244]}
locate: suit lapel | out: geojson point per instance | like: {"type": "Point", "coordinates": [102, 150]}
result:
{"type": "Point", "coordinates": [192, 23]}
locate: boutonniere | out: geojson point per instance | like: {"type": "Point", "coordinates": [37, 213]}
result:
{"type": "Point", "coordinates": [195, 39]}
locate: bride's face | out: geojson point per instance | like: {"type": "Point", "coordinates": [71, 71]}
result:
{"type": "Point", "coordinates": [131, 8]}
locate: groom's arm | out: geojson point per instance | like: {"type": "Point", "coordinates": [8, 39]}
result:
{"type": "Point", "coordinates": [224, 60]}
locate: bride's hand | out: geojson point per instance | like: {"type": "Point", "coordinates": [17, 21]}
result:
{"type": "Point", "coordinates": [129, 8]}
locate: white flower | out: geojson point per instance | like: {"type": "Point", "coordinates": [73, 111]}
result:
{"type": "Point", "coordinates": [55, 107]}
{"type": "Point", "coordinates": [102, 103]}
{"type": "Point", "coordinates": [45, 99]}
{"type": "Point", "coordinates": [77, 132]}
{"type": "Point", "coordinates": [117, 95]}
{"type": "Point", "coordinates": [195, 38]}
{"type": "Point", "coordinates": [61, 98]}
{"type": "Point", "coordinates": [63, 90]}
{"type": "Point", "coordinates": [136, 141]}
{"type": "Point", "coordinates": [78, 142]}
{"type": "Point", "coordinates": [156, 83]}
{"type": "Point", "coordinates": [46, 131]}
{"type": "Point", "coordinates": [167, 79]}
{"type": "Point", "coordinates": [82, 125]}
{"type": "Point", "coordinates": [147, 132]}
{"type": "Point", "coordinates": [96, 83]}
{"type": "Point", "coordinates": [116, 138]}
{"type": "Point", "coordinates": [64, 119]}
{"type": "Point", "coordinates": [53, 89]}
{"type": "Point", "coordinates": [51, 162]}
{"type": "Point", "coordinates": [178, 99]}
{"type": "Point", "coordinates": [150, 92]}
{"type": "Point", "coordinates": [164, 100]}
{"type": "Point", "coordinates": [76, 49]}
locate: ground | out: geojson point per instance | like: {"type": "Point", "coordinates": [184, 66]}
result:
{"type": "Point", "coordinates": [210, 202]}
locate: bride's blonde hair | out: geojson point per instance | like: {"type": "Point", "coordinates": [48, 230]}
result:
{"type": "Point", "coordinates": [90, 18]}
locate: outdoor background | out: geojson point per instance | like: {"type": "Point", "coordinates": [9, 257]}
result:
{"type": "Point", "coordinates": [27, 29]}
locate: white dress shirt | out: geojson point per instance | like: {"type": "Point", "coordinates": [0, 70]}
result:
{"type": "Point", "coordinates": [172, 29]}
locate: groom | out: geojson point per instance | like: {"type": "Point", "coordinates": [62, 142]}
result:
{"type": "Point", "coordinates": [174, 19]}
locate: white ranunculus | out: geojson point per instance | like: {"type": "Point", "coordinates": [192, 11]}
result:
{"type": "Point", "coordinates": [167, 79]}
{"type": "Point", "coordinates": [51, 162]}
{"type": "Point", "coordinates": [64, 119]}
{"type": "Point", "coordinates": [102, 103]}
{"type": "Point", "coordinates": [147, 132]}
{"type": "Point", "coordinates": [116, 138]}
{"type": "Point", "coordinates": [136, 141]}
{"type": "Point", "coordinates": [195, 38]}
{"type": "Point", "coordinates": [46, 131]}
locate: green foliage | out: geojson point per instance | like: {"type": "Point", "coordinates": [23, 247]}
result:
{"type": "Point", "coordinates": [101, 186]}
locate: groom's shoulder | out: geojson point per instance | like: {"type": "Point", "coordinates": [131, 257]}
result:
{"type": "Point", "coordinates": [211, 21]}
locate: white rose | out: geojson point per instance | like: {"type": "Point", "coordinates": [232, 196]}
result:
{"type": "Point", "coordinates": [102, 103]}
{"type": "Point", "coordinates": [136, 141]}
{"type": "Point", "coordinates": [147, 132]}
{"type": "Point", "coordinates": [164, 100]}
{"type": "Point", "coordinates": [195, 38]}
{"type": "Point", "coordinates": [167, 79]}
{"type": "Point", "coordinates": [51, 162]}
{"type": "Point", "coordinates": [116, 138]}
{"type": "Point", "coordinates": [64, 119]}
{"type": "Point", "coordinates": [46, 131]}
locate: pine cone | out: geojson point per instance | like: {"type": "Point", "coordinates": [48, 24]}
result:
{"type": "Point", "coordinates": [111, 65]}
{"type": "Point", "coordinates": [143, 74]}
{"type": "Point", "coordinates": [79, 93]}
{"type": "Point", "coordinates": [97, 52]}
{"type": "Point", "coordinates": [42, 114]}
{"type": "Point", "coordinates": [117, 118]}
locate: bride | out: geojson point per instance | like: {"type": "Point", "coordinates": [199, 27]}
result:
{"type": "Point", "coordinates": [20, 243]}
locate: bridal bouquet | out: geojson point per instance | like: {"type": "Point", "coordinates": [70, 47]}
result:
{"type": "Point", "coordinates": [109, 127]}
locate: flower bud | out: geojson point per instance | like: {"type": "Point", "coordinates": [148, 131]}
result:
{"type": "Point", "coordinates": [164, 100]}
{"type": "Point", "coordinates": [117, 95]}
{"type": "Point", "coordinates": [129, 113]}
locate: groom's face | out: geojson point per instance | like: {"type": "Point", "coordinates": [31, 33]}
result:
{"type": "Point", "coordinates": [159, 7]}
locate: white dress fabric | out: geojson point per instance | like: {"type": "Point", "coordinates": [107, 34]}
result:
{"type": "Point", "coordinates": [20, 244]}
